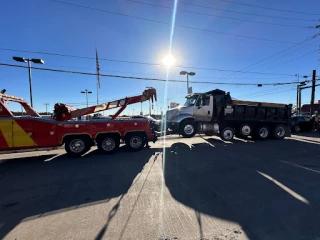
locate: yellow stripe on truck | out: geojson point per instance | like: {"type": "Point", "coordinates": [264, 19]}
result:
{"type": "Point", "coordinates": [6, 130]}
{"type": "Point", "coordinates": [20, 137]}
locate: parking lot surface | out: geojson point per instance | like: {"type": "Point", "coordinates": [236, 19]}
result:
{"type": "Point", "coordinates": [198, 188]}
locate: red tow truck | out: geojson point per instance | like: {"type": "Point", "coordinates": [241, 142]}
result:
{"type": "Point", "coordinates": [32, 132]}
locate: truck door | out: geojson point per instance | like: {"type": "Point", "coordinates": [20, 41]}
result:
{"type": "Point", "coordinates": [203, 108]}
{"type": "Point", "coordinates": [22, 129]}
{"type": "Point", "coordinates": [5, 133]}
{"type": "Point", "coordinates": [45, 132]}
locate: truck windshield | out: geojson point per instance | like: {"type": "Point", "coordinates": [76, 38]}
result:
{"type": "Point", "coordinates": [191, 101]}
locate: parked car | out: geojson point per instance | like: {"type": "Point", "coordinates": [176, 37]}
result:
{"type": "Point", "coordinates": [301, 124]}
{"type": "Point", "coordinates": [100, 117]}
{"type": "Point", "coordinates": [156, 122]}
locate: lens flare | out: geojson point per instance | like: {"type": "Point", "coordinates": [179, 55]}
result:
{"type": "Point", "coordinates": [169, 60]}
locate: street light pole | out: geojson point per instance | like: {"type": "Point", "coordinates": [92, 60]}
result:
{"type": "Point", "coordinates": [188, 73]}
{"type": "Point", "coordinates": [30, 81]}
{"type": "Point", "coordinates": [34, 60]}
{"type": "Point", "coordinates": [86, 92]}
{"type": "Point", "coordinates": [46, 107]}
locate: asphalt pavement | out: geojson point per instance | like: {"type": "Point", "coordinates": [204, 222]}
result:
{"type": "Point", "coordinates": [198, 188]}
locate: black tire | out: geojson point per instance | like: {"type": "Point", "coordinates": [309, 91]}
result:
{"type": "Point", "coordinates": [135, 141]}
{"type": "Point", "coordinates": [187, 129]}
{"type": "Point", "coordinates": [108, 144]}
{"type": "Point", "coordinates": [77, 146]}
{"type": "Point", "coordinates": [279, 132]}
{"type": "Point", "coordinates": [227, 134]}
{"type": "Point", "coordinates": [245, 130]}
{"type": "Point", "coordinates": [262, 133]}
{"type": "Point", "coordinates": [297, 129]}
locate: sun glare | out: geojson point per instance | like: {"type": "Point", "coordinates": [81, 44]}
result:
{"type": "Point", "coordinates": [169, 60]}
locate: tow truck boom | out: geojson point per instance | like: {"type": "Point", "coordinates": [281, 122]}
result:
{"type": "Point", "coordinates": [63, 112]}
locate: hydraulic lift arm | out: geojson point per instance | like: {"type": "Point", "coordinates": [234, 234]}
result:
{"type": "Point", "coordinates": [63, 112]}
{"type": "Point", "coordinates": [4, 112]}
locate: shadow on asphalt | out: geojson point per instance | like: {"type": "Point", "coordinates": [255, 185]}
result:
{"type": "Point", "coordinates": [268, 187]}
{"type": "Point", "coordinates": [271, 188]}
{"type": "Point", "coordinates": [314, 134]}
{"type": "Point", "coordinates": [38, 186]}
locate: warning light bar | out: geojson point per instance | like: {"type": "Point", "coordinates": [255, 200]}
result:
{"type": "Point", "coordinates": [8, 97]}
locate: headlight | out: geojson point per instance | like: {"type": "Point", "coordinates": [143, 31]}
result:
{"type": "Point", "coordinates": [157, 122]}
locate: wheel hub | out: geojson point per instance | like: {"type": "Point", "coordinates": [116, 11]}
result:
{"type": "Point", "coordinates": [135, 142]}
{"type": "Point", "coordinates": [108, 144]}
{"type": "Point", "coordinates": [281, 132]}
{"type": "Point", "coordinates": [189, 129]}
{"type": "Point", "coordinates": [246, 130]}
{"type": "Point", "coordinates": [263, 132]}
{"type": "Point", "coordinates": [228, 134]}
{"type": "Point", "coordinates": [77, 145]}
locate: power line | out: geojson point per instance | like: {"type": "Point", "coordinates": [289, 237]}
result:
{"type": "Point", "coordinates": [308, 53]}
{"type": "Point", "coordinates": [267, 58]}
{"type": "Point", "coordinates": [274, 92]}
{"type": "Point", "coordinates": [266, 91]}
{"type": "Point", "coordinates": [139, 73]}
{"type": "Point", "coordinates": [245, 13]}
{"type": "Point", "coordinates": [177, 25]}
{"type": "Point", "coordinates": [218, 16]}
{"type": "Point", "coordinates": [269, 8]}
{"type": "Point", "coordinates": [149, 79]}
{"type": "Point", "coordinates": [290, 60]}
{"type": "Point", "coordinates": [145, 63]}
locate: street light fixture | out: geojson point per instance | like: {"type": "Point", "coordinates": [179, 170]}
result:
{"type": "Point", "coordinates": [86, 92]}
{"type": "Point", "coordinates": [34, 60]}
{"type": "Point", "coordinates": [189, 90]}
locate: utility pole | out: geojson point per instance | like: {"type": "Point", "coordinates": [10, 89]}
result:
{"type": "Point", "coordinates": [298, 94]}
{"type": "Point", "coordinates": [313, 91]}
{"type": "Point", "coordinates": [46, 107]}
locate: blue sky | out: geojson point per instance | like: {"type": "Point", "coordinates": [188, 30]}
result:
{"type": "Point", "coordinates": [48, 26]}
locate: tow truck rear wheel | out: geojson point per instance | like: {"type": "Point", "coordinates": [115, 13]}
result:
{"type": "Point", "coordinates": [108, 144]}
{"type": "Point", "coordinates": [76, 146]}
{"type": "Point", "coordinates": [135, 141]}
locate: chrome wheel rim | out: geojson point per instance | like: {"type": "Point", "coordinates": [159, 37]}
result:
{"type": "Point", "coordinates": [228, 134]}
{"type": "Point", "coordinates": [281, 132]}
{"type": "Point", "coordinates": [77, 145]}
{"type": "Point", "coordinates": [135, 142]}
{"type": "Point", "coordinates": [246, 130]}
{"type": "Point", "coordinates": [108, 144]}
{"type": "Point", "coordinates": [188, 129]}
{"type": "Point", "coordinates": [263, 132]}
